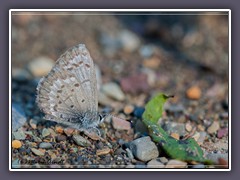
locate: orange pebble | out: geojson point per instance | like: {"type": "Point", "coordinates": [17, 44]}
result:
{"type": "Point", "coordinates": [194, 92]}
{"type": "Point", "coordinates": [16, 144]}
{"type": "Point", "coordinates": [59, 129]}
{"type": "Point", "coordinates": [175, 136]}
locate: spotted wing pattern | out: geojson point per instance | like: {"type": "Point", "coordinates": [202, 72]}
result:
{"type": "Point", "coordinates": [68, 93]}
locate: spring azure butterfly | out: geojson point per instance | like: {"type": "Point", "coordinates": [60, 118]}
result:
{"type": "Point", "coordinates": [68, 94]}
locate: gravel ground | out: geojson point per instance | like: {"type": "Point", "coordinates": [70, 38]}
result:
{"type": "Point", "coordinates": [136, 57]}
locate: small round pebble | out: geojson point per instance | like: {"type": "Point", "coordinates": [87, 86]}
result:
{"type": "Point", "coordinates": [128, 109]}
{"type": "Point", "coordinates": [16, 144]}
{"type": "Point", "coordinates": [45, 145]}
{"type": "Point", "coordinates": [81, 141]}
{"type": "Point", "coordinates": [194, 93]}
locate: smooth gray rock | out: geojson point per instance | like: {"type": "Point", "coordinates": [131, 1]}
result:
{"type": "Point", "coordinates": [45, 145]}
{"type": "Point", "coordinates": [81, 141]}
{"type": "Point", "coordinates": [144, 149]}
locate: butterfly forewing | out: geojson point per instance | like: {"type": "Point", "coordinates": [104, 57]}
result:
{"type": "Point", "coordinates": [69, 90]}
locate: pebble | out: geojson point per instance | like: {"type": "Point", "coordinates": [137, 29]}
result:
{"type": "Point", "coordinates": [81, 141]}
{"type": "Point", "coordinates": [45, 145]}
{"type": "Point", "coordinates": [16, 144]}
{"type": "Point", "coordinates": [59, 129]}
{"type": "Point", "coordinates": [174, 108]}
{"type": "Point", "coordinates": [18, 117]}
{"type": "Point", "coordinates": [152, 62]}
{"type": "Point", "coordinates": [37, 152]}
{"type": "Point", "coordinates": [45, 132]}
{"type": "Point", "coordinates": [68, 131]}
{"type": "Point", "coordinates": [120, 124]}
{"type": "Point", "coordinates": [213, 127]}
{"type": "Point", "coordinates": [188, 127]}
{"type": "Point", "coordinates": [33, 123]}
{"type": "Point", "coordinates": [144, 149]}
{"type": "Point", "coordinates": [138, 111]}
{"type": "Point", "coordinates": [128, 109]}
{"type": "Point", "coordinates": [176, 164]}
{"type": "Point", "coordinates": [173, 127]}
{"type": "Point", "coordinates": [155, 164]}
{"type": "Point", "coordinates": [151, 76]}
{"type": "Point", "coordinates": [129, 41]}
{"type": "Point", "coordinates": [19, 135]}
{"type": "Point", "coordinates": [61, 138]}
{"type": "Point", "coordinates": [103, 151]}
{"type": "Point", "coordinates": [16, 163]}
{"type": "Point", "coordinates": [175, 136]}
{"type": "Point", "coordinates": [146, 51]}
{"type": "Point", "coordinates": [215, 157]}
{"type": "Point", "coordinates": [196, 136]}
{"type": "Point", "coordinates": [135, 84]}
{"type": "Point", "coordinates": [21, 74]}
{"type": "Point", "coordinates": [222, 132]}
{"type": "Point", "coordinates": [194, 93]}
{"type": "Point", "coordinates": [40, 66]}
{"type": "Point", "coordinates": [198, 166]}
{"type": "Point", "coordinates": [140, 127]}
{"type": "Point", "coordinates": [113, 90]}
{"type": "Point", "coordinates": [103, 99]}
{"type": "Point", "coordinates": [164, 160]}
{"type": "Point", "coordinates": [202, 137]}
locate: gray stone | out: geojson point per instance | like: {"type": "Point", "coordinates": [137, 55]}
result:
{"type": "Point", "coordinates": [16, 163]}
{"type": "Point", "coordinates": [81, 141]}
{"type": "Point", "coordinates": [40, 66]}
{"type": "Point", "coordinates": [113, 90]}
{"type": "Point", "coordinates": [19, 135]}
{"type": "Point", "coordinates": [215, 156]}
{"type": "Point", "coordinates": [163, 160]}
{"type": "Point", "coordinates": [129, 41]}
{"type": "Point", "coordinates": [45, 145]}
{"type": "Point", "coordinates": [144, 149]}
{"type": "Point", "coordinates": [214, 127]}
{"type": "Point", "coordinates": [198, 166]}
{"type": "Point", "coordinates": [155, 163]}
{"type": "Point", "coordinates": [18, 117]}
{"type": "Point", "coordinates": [45, 132]}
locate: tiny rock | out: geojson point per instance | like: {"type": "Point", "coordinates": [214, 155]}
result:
{"type": "Point", "coordinates": [37, 152]}
{"type": "Point", "coordinates": [113, 90]}
{"type": "Point", "coordinates": [222, 132]}
{"type": "Point", "coordinates": [155, 164]}
{"type": "Point", "coordinates": [45, 145]}
{"type": "Point", "coordinates": [40, 66]}
{"type": "Point", "coordinates": [153, 62]}
{"type": "Point", "coordinates": [103, 151]}
{"type": "Point", "coordinates": [176, 164]}
{"type": "Point", "coordinates": [120, 124]}
{"type": "Point", "coordinates": [59, 129]}
{"type": "Point", "coordinates": [45, 132]}
{"type": "Point", "coordinates": [175, 136]}
{"type": "Point", "coordinates": [194, 93]}
{"type": "Point", "coordinates": [128, 109]}
{"type": "Point", "coordinates": [16, 144]}
{"type": "Point", "coordinates": [188, 127]}
{"type": "Point", "coordinates": [213, 127]}
{"type": "Point", "coordinates": [68, 131]}
{"type": "Point", "coordinates": [81, 141]}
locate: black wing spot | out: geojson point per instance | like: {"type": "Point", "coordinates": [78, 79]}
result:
{"type": "Point", "coordinates": [72, 106]}
{"type": "Point", "coordinates": [83, 100]}
{"type": "Point", "coordinates": [59, 102]}
{"type": "Point", "coordinates": [72, 90]}
{"type": "Point", "coordinates": [59, 91]}
{"type": "Point", "coordinates": [61, 115]}
{"type": "Point", "coordinates": [76, 85]}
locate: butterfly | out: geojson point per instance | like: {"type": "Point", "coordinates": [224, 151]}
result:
{"type": "Point", "coordinates": [68, 94]}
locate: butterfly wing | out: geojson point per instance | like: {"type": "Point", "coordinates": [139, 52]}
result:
{"type": "Point", "coordinates": [69, 90]}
